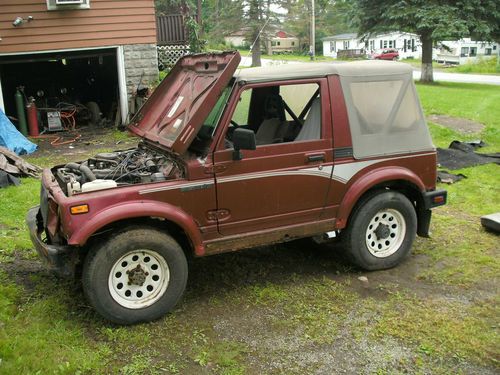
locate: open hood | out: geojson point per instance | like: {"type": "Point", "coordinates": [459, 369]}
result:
{"type": "Point", "coordinates": [175, 112]}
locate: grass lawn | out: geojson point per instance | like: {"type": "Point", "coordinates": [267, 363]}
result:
{"type": "Point", "coordinates": [481, 66]}
{"type": "Point", "coordinates": [286, 309]}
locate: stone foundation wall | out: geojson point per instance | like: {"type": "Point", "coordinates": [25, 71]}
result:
{"type": "Point", "coordinates": [141, 66]}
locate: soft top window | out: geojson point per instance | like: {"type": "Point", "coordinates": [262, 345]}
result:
{"type": "Point", "coordinates": [385, 116]}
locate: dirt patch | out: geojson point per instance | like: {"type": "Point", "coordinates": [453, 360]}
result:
{"type": "Point", "coordinates": [80, 142]}
{"type": "Point", "coordinates": [461, 125]}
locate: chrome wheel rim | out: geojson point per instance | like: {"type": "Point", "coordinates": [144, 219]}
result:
{"type": "Point", "coordinates": [385, 233]}
{"type": "Point", "coordinates": [139, 279]}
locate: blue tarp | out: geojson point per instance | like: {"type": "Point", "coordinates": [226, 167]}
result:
{"type": "Point", "coordinates": [12, 139]}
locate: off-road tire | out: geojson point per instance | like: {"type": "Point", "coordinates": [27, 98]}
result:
{"type": "Point", "coordinates": [363, 222]}
{"type": "Point", "coordinates": [154, 251]}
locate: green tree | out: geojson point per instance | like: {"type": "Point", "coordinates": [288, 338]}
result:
{"type": "Point", "coordinates": [221, 18]}
{"type": "Point", "coordinates": [331, 18]}
{"type": "Point", "coordinates": [432, 20]}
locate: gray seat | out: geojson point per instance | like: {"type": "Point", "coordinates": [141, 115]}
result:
{"type": "Point", "coordinates": [312, 125]}
{"type": "Point", "coordinates": [271, 129]}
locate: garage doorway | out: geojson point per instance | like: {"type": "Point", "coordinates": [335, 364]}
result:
{"type": "Point", "coordinates": [84, 80]}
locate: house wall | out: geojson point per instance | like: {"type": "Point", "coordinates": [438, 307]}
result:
{"type": "Point", "coordinates": [466, 50]}
{"type": "Point", "coordinates": [277, 45]}
{"type": "Point", "coordinates": [105, 23]}
{"type": "Point", "coordinates": [235, 41]}
{"type": "Point", "coordinates": [397, 41]}
{"type": "Point", "coordinates": [141, 65]}
{"type": "Point", "coordinates": [331, 47]}
{"type": "Point", "coordinates": [377, 43]}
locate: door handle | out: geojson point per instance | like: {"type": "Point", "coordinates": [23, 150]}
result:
{"type": "Point", "coordinates": [316, 157]}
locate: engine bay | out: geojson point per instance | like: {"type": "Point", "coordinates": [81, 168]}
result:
{"type": "Point", "coordinates": [141, 164]}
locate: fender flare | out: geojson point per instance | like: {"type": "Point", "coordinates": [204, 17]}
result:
{"type": "Point", "coordinates": [369, 180]}
{"type": "Point", "coordinates": [135, 209]}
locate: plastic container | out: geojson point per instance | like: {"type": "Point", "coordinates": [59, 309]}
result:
{"type": "Point", "coordinates": [98, 185]}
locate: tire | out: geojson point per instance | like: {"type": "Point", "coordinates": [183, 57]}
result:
{"type": "Point", "coordinates": [136, 276]}
{"type": "Point", "coordinates": [395, 58]}
{"type": "Point", "coordinates": [381, 231]}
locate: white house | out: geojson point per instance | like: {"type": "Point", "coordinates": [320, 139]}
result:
{"type": "Point", "coordinates": [333, 44]}
{"type": "Point", "coordinates": [237, 38]}
{"type": "Point", "coordinates": [465, 50]}
{"type": "Point", "coordinates": [275, 41]}
{"type": "Point", "coordinates": [408, 44]}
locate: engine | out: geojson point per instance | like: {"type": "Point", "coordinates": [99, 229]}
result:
{"type": "Point", "coordinates": [111, 169]}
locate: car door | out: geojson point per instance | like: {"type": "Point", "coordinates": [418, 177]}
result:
{"type": "Point", "coordinates": [277, 184]}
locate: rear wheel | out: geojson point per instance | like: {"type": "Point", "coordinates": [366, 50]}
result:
{"type": "Point", "coordinates": [136, 276]}
{"type": "Point", "coordinates": [381, 231]}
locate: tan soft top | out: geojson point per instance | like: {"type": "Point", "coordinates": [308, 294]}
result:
{"type": "Point", "coordinates": [311, 70]}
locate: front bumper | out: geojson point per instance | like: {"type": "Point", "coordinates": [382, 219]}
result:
{"type": "Point", "coordinates": [60, 258]}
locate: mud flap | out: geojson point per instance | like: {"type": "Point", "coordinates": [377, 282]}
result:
{"type": "Point", "coordinates": [424, 222]}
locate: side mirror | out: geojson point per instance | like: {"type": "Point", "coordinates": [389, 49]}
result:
{"type": "Point", "coordinates": [243, 139]}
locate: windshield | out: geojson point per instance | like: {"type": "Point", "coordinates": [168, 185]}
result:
{"type": "Point", "coordinates": [204, 137]}
{"type": "Point", "coordinates": [213, 117]}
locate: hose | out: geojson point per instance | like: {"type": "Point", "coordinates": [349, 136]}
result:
{"type": "Point", "coordinates": [82, 168]}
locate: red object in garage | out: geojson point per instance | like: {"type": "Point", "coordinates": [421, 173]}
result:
{"type": "Point", "coordinates": [32, 118]}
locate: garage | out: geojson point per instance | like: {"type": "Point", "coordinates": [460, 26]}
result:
{"type": "Point", "coordinates": [81, 86]}
{"type": "Point", "coordinates": [81, 60]}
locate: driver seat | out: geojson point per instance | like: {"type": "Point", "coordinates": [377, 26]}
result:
{"type": "Point", "coordinates": [274, 119]}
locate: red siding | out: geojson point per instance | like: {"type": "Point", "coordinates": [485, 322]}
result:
{"type": "Point", "coordinates": [106, 23]}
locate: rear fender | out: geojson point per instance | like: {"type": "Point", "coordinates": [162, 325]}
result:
{"type": "Point", "coordinates": [135, 209]}
{"type": "Point", "coordinates": [367, 181]}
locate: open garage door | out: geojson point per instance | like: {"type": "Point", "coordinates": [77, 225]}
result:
{"type": "Point", "coordinates": [83, 82]}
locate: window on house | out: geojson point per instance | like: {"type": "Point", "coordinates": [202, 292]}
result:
{"type": "Point", "coordinates": [293, 43]}
{"type": "Point", "coordinates": [346, 44]}
{"type": "Point", "coordinates": [332, 46]}
{"type": "Point", "coordinates": [385, 43]}
{"type": "Point", "coordinates": [67, 4]}
{"type": "Point", "coordinates": [390, 44]}
{"type": "Point", "coordinates": [381, 45]}
{"type": "Point", "coordinates": [494, 48]}
{"type": "Point", "coordinates": [473, 51]}
{"type": "Point", "coordinates": [273, 43]}
{"type": "Point", "coordinates": [372, 44]}
{"type": "Point", "coordinates": [464, 52]}
{"type": "Point", "coordinates": [487, 51]}
{"type": "Point", "coordinates": [278, 43]}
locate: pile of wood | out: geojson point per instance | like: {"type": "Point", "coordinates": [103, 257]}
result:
{"type": "Point", "coordinates": [13, 166]}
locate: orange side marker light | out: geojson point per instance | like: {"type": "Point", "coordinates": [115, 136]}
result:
{"type": "Point", "coordinates": [80, 209]}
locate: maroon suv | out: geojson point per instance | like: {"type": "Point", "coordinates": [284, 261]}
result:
{"type": "Point", "coordinates": [232, 159]}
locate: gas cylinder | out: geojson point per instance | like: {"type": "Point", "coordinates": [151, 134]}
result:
{"type": "Point", "coordinates": [20, 111]}
{"type": "Point", "coordinates": [31, 110]}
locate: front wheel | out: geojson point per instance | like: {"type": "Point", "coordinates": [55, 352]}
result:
{"type": "Point", "coordinates": [381, 231]}
{"type": "Point", "coordinates": [136, 276]}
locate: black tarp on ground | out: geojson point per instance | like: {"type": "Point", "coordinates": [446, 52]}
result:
{"type": "Point", "coordinates": [7, 179]}
{"type": "Point", "coordinates": [461, 155]}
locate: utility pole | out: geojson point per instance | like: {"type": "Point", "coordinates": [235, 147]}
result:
{"type": "Point", "coordinates": [313, 41]}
